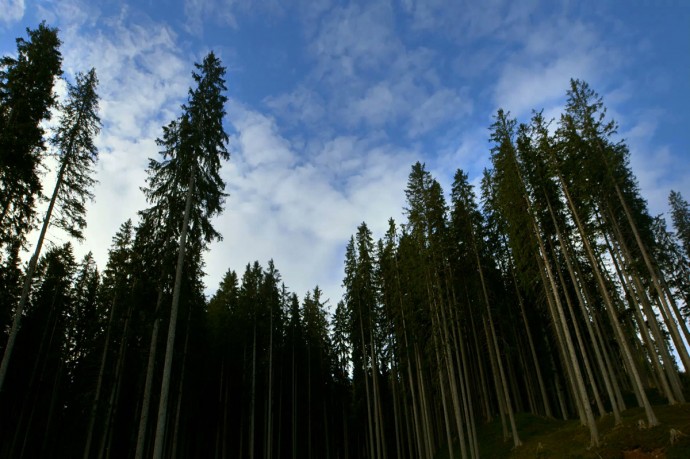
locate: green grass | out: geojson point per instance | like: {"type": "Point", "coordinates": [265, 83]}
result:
{"type": "Point", "coordinates": [550, 438]}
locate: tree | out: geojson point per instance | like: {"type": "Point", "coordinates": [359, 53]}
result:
{"type": "Point", "coordinates": [602, 202]}
{"type": "Point", "coordinates": [113, 294]}
{"type": "Point", "coordinates": [35, 387]}
{"type": "Point", "coordinates": [26, 97]}
{"type": "Point", "coordinates": [73, 140]}
{"type": "Point", "coordinates": [193, 148]}
{"type": "Point", "coordinates": [680, 215]}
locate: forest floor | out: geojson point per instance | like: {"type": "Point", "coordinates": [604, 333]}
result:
{"type": "Point", "coordinates": [551, 438]}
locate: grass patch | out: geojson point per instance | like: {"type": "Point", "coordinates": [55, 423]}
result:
{"type": "Point", "coordinates": [551, 438]}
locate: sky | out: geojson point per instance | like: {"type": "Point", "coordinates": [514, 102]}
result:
{"type": "Point", "coordinates": [331, 102]}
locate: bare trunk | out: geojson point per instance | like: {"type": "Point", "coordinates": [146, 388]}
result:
{"type": "Point", "coordinates": [500, 399]}
{"type": "Point", "coordinates": [252, 418]}
{"type": "Point", "coordinates": [159, 443]}
{"type": "Point", "coordinates": [672, 327]}
{"type": "Point", "coordinates": [29, 276]}
{"type": "Point", "coordinates": [148, 384]}
{"type": "Point", "coordinates": [99, 381]}
{"type": "Point", "coordinates": [533, 352]}
{"type": "Point", "coordinates": [494, 340]}
{"type": "Point", "coordinates": [426, 416]}
{"type": "Point", "coordinates": [651, 416]}
{"type": "Point", "coordinates": [579, 381]}
{"type": "Point", "coordinates": [581, 301]}
{"type": "Point", "coordinates": [180, 387]}
{"type": "Point", "coordinates": [666, 375]}
{"type": "Point", "coordinates": [110, 410]}
{"type": "Point", "coordinates": [365, 370]}
{"type": "Point", "coordinates": [269, 417]}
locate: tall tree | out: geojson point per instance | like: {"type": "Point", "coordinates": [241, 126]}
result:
{"type": "Point", "coordinates": [193, 149]}
{"type": "Point", "coordinates": [73, 141]}
{"type": "Point", "coordinates": [26, 97]}
{"type": "Point", "coordinates": [113, 296]}
{"type": "Point", "coordinates": [35, 386]}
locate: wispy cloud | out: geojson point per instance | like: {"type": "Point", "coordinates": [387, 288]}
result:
{"type": "Point", "coordinates": [467, 20]}
{"type": "Point", "coordinates": [224, 12]}
{"type": "Point", "coordinates": [538, 74]}
{"type": "Point", "coordinates": [11, 11]}
{"type": "Point", "coordinates": [366, 79]}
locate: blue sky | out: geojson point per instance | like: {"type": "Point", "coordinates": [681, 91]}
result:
{"type": "Point", "coordinates": [331, 102]}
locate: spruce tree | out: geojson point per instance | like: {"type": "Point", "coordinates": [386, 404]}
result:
{"type": "Point", "coordinates": [680, 215]}
{"type": "Point", "coordinates": [26, 97]}
{"type": "Point", "coordinates": [115, 304]}
{"type": "Point", "coordinates": [79, 125]}
{"type": "Point", "coordinates": [193, 149]}
{"type": "Point", "coordinates": [33, 398]}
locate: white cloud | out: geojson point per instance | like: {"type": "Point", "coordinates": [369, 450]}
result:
{"type": "Point", "coordinates": [468, 20]}
{"type": "Point", "coordinates": [657, 168]}
{"type": "Point", "coordinates": [366, 79]}
{"type": "Point", "coordinates": [551, 54]}
{"type": "Point", "coordinates": [436, 108]}
{"type": "Point", "coordinates": [353, 38]}
{"type": "Point", "coordinates": [302, 105]}
{"type": "Point", "coordinates": [197, 11]}
{"type": "Point", "coordinates": [11, 11]}
{"type": "Point", "coordinates": [225, 12]}
{"type": "Point", "coordinates": [300, 211]}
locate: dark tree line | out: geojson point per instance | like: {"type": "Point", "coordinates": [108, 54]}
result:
{"type": "Point", "coordinates": [554, 292]}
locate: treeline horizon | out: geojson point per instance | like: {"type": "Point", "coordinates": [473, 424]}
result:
{"type": "Point", "coordinates": [553, 291]}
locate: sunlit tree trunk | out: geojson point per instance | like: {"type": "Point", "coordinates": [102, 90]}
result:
{"type": "Point", "coordinates": [627, 355]}
{"type": "Point", "coordinates": [667, 376]}
{"type": "Point", "coordinates": [672, 328]}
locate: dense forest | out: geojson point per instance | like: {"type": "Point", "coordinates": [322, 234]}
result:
{"type": "Point", "coordinates": [551, 291]}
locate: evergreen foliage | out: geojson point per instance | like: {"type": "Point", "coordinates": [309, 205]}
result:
{"type": "Point", "coordinates": [26, 98]}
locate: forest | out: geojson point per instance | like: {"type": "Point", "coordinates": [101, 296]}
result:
{"type": "Point", "coordinates": [551, 290]}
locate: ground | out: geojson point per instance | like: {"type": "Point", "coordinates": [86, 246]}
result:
{"type": "Point", "coordinates": [549, 438]}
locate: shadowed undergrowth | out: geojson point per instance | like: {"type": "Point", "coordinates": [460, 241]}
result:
{"type": "Point", "coordinates": [551, 438]}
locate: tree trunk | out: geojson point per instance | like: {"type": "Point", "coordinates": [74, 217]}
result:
{"type": "Point", "coordinates": [673, 329]}
{"type": "Point", "coordinates": [148, 384]}
{"type": "Point", "coordinates": [99, 381]}
{"type": "Point", "coordinates": [252, 417]}
{"type": "Point", "coordinates": [269, 417]}
{"type": "Point", "coordinates": [159, 442]}
{"type": "Point", "coordinates": [180, 391]}
{"type": "Point", "coordinates": [651, 416]}
{"type": "Point", "coordinates": [111, 407]}
{"type": "Point", "coordinates": [30, 274]}
{"type": "Point", "coordinates": [667, 376]}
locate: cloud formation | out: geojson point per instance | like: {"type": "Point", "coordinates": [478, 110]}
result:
{"type": "Point", "coordinates": [11, 11]}
{"type": "Point", "coordinates": [352, 93]}
{"type": "Point", "coordinates": [300, 209]}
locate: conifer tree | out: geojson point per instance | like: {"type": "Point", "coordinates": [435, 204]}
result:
{"type": "Point", "coordinates": [26, 97]}
{"type": "Point", "coordinates": [680, 215]}
{"type": "Point", "coordinates": [193, 149]}
{"type": "Point", "coordinates": [114, 298]}
{"type": "Point", "coordinates": [73, 141]}
{"type": "Point", "coordinates": [35, 388]}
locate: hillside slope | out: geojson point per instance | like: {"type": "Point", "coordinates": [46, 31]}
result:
{"type": "Point", "coordinates": [550, 438]}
